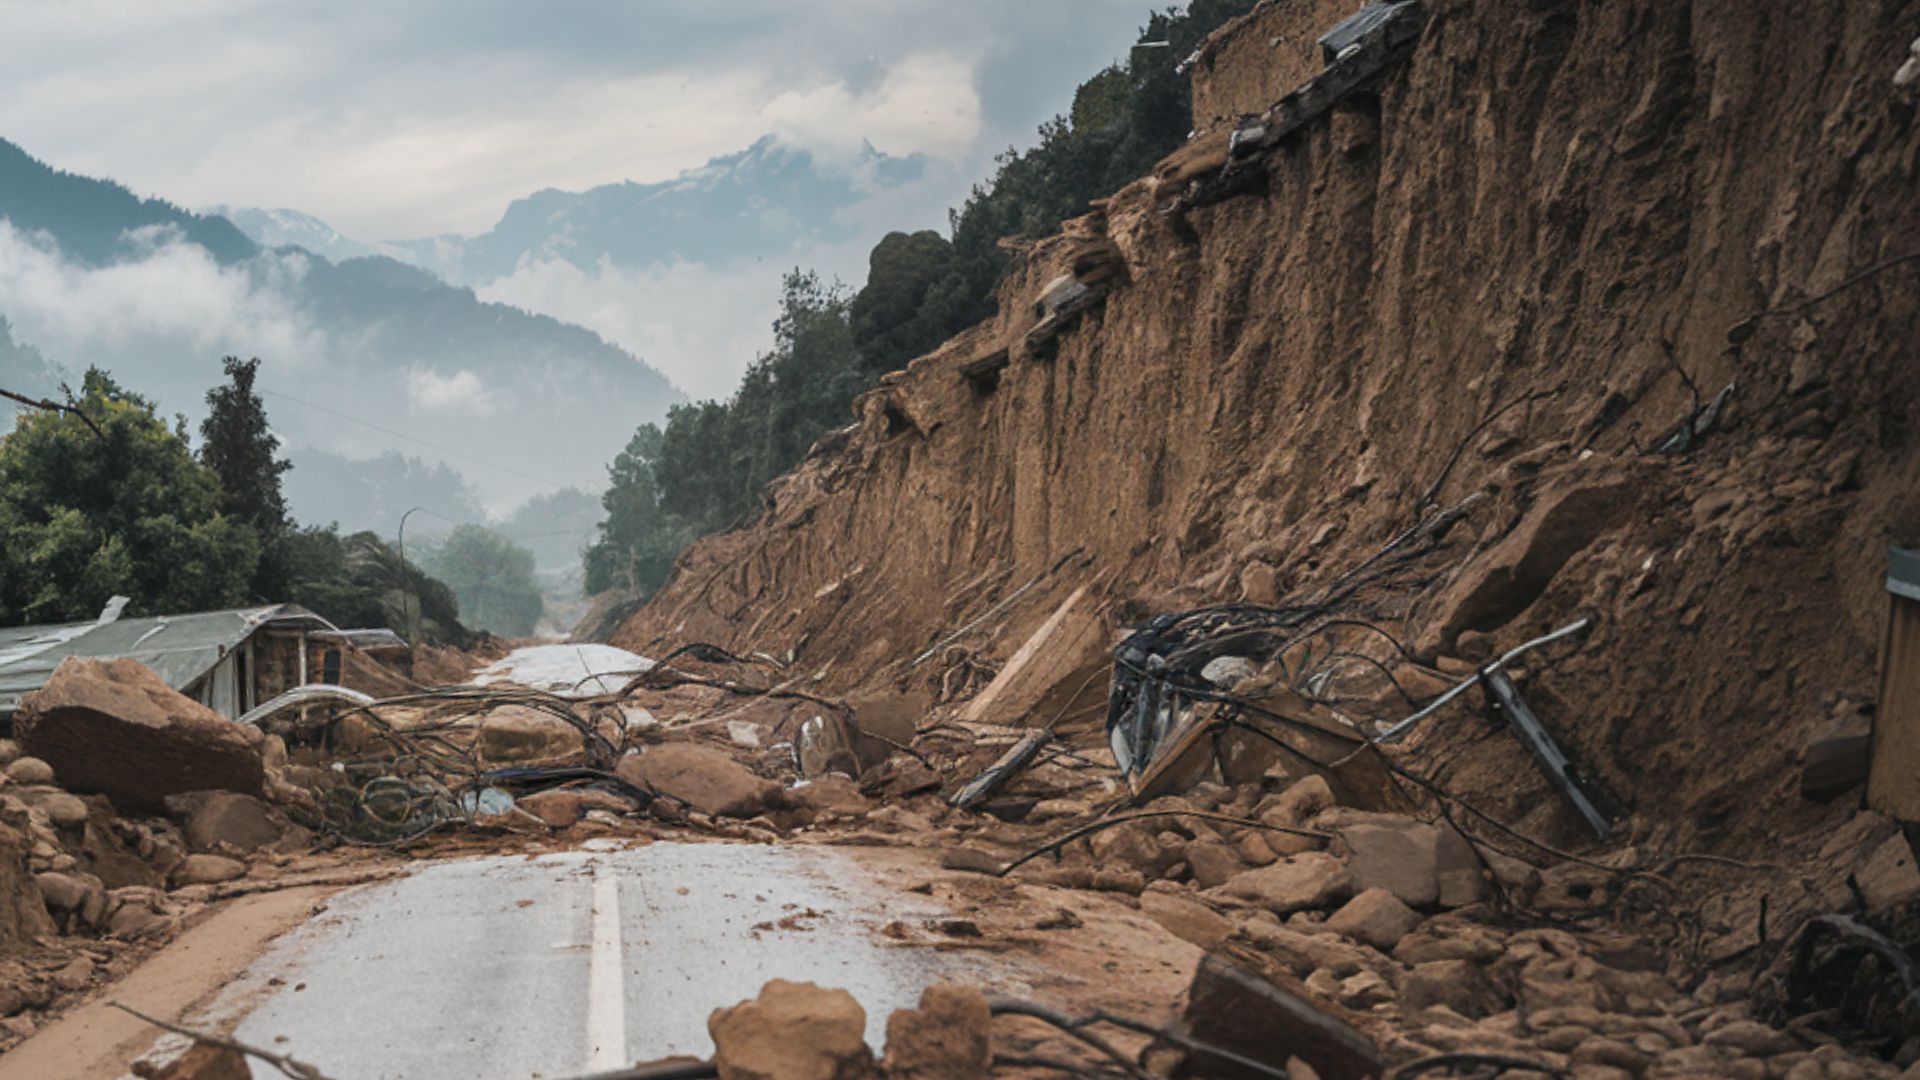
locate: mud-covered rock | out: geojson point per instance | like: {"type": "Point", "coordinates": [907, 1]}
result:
{"type": "Point", "coordinates": [208, 870]}
{"type": "Point", "coordinates": [224, 818]}
{"type": "Point", "coordinates": [949, 1037]}
{"type": "Point", "coordinates": [792, 1031]}
{"type": "Point", "coordinates": [557, 808]}
{"type": "Point", "coordinates": [1298, 804]}
{"type": "Point", "coordinates": [708, 779]}
{"type": "Point", "coordinates": [30, 770]}
{"type": "Point", "coordinates": [1185, 918]}
{"type": "Point", "coordinates": [1460, 985]}
{"type": "Point", "coordinates": [1310, 880]}
{"type": "Point", "coordinates": [520, 733]}
{"type": "Point", "coordinates": [1376, 917]}
{"type": "Point", "coordinates": [1400, 855]}
{"type": "Point", "coordinates": [113, 727]}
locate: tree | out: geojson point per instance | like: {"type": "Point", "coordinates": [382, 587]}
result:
{"type": "Point", "coordinates": [491, 577]}
{"type": "Point", "coordinates": [86, 516]}
{"type": "Point", "coordinates": [638, 539]}
{"type": "Point", "coordinates": [892, 317]}
{"type": "Point", "coordinates": [237, 444]}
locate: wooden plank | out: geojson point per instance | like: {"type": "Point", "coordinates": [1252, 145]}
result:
{"type": "Point", "coordinates": [1893, 783]}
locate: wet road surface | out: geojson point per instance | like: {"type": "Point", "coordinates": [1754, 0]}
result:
{"type": "Point", "coordinates": [576, 962]}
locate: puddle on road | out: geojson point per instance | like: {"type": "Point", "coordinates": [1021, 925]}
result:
{"type": "Point", "coordinates": [481, 966]}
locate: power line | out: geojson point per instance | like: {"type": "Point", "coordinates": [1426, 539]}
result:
{"type": "Point", "coordinates": [422, 442]}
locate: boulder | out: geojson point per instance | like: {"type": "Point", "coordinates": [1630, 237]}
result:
{"type": "Point", "coordinates": [1311, 880]}
{"type": "Point", "coordinates": [1212, 862]}
{"type": "Point", "coordinates": [1376, 917]}
{"type": "Point", "coordinates": [1298, 804]}
{"type": "Point", "coordinates": [30, 770]}
{"type": "Point", "coordinates": [558, 808]}
{"type": "Point", "coordinates": [61, 892]}
{"type": "Point", "coordinates": [792, 1031]}
{"type": "Point", "coordinates": [1400, 855]}
{"type": "Point", "coordinates": [113, 727]}
{"type": "Point", "coordinates": [208, 870]}
{"type": "Point", "coordinates": [1460, 985]}
{"type": "Point", "coordinates": [829, 794]}
{"type": "Point", "coordinates": [1504, 581]}
{"type": "Point", "coordinates": [708, 779]}
{"type": "Point", "coordinates": [520, 733]}
{"type": "Point", "coordinates": [1461, 877]}
{"type": "Point", "coordinates": [215, 818]}
{"type": "Point", "coordinates": [949, 1037]}
{"type": "Point", "coordinates": [9, 752]}
{"type": "Point", "coordinates": [1185, 918]}
{"type": "Point", "coordinates": [63, 810]}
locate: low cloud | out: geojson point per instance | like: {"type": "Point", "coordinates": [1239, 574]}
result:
{"type": "Point", "coordinates": [699, 325]}
{"type": "Point", "coordinates": [461, 392]}
{"type": "Point", "coordinates": [136, 317]}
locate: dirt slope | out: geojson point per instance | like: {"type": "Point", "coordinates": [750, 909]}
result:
{"type": "Point", "coordinates": [1564, 205]}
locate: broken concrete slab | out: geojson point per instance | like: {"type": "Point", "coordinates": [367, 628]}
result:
{"type": "Point", "coordinates": [115, 728]}
{"type": "Point", "coordinates": [1235, 1009]}
{"type": "Point", "coordinates": [792, 1031]}
{"type": "Point", "coordinates": [1071, 638]}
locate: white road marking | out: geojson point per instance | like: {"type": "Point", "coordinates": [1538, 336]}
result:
{"type": "Point", "coordinates": [606, 995]}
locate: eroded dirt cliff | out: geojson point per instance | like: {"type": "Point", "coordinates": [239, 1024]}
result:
{"type": "Point", "coordinates": [1547, 238]}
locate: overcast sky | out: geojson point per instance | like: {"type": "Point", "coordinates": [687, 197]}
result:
{"type": "Point", "coordinates": [394, 119]}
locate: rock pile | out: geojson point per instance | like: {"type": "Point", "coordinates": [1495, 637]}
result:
{"type": "Point", "coordinates": [100, 854]}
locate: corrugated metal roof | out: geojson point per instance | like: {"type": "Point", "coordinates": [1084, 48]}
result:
{"type": "Point", "coordinates": [1354, 28]}
{"type": "Point", "coordinates": [1903, 572]}
{"type": "Point", "coordinates": [179, 648]}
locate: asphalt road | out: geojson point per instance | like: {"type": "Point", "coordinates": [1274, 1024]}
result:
{"type": "Point", "coordinates": [571, 963]}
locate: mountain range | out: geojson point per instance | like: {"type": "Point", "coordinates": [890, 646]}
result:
{"type": "Point", "coordinates": [361, 354]}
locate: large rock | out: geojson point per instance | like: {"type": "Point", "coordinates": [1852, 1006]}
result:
{"type": "Point", "coordinates": [113, 727]}
{"type": "Point", "coordinates": [1460, 985]}
{"type": "Point", "coordinates": [1311, 880]}
{"type": "Point", "coordinates": [1293, 807]}
{"type": "Point", "coordinates": [1399, 855]}
{"type": "Point", "coordinates": [29, 770]}
{"type": "Point", "coordinates": [208, 870]}
{"type": "Point", "coordinates": [792, 1031]}
{"type": "Point", "coordinates": [1376, 917]}
{"type": "Point", "coordinates": [708, 779]}
{"type": "Point", "coordinates": [1185, 918]}
{"type": "Point", "coordinates": [558, 808]}
{"type": "Point", "coordinates": [520, 733]}
{"type": "Point", "coordinates": [217, 818]}
{"type": "Point", "coordinates": [948, 1037]}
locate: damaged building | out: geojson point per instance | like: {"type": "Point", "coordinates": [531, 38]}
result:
{"type": "Point", "coordinates": [229, 661]}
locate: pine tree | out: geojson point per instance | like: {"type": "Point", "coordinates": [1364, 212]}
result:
{"type": "Point", "coordinates": [237, 445]}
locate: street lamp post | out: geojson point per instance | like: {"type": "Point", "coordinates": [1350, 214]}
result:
{"type": "Point", "coordinates": [409, 604]}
